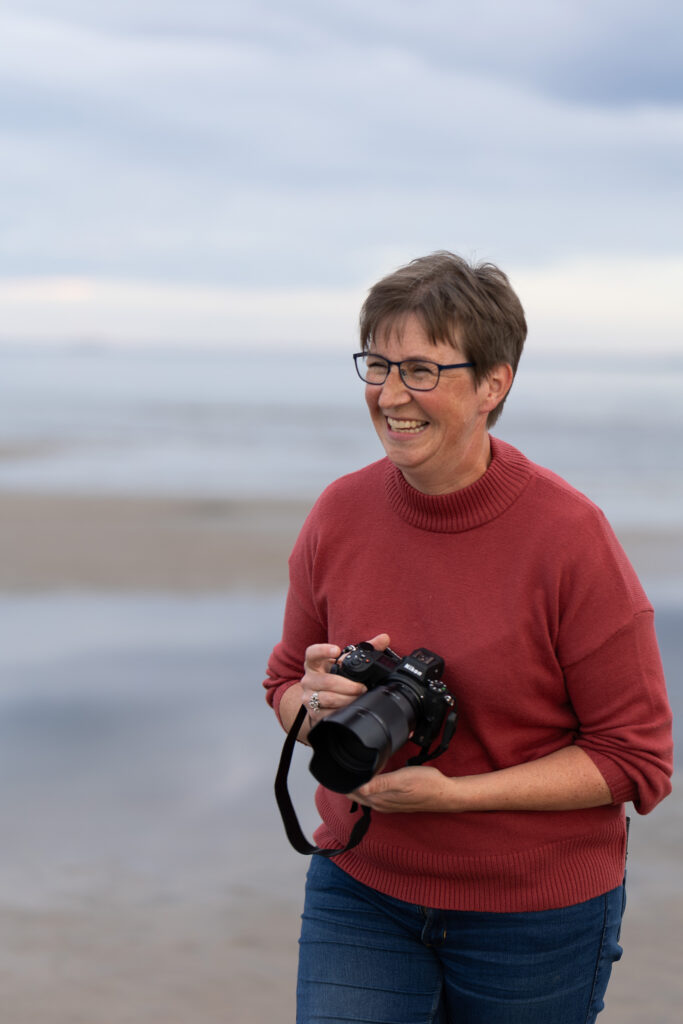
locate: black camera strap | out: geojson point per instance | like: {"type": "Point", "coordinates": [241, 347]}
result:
{"type": "Point", "coordinates": [448, 730]}
{"type": "Point", "coordinates": [287, 812]}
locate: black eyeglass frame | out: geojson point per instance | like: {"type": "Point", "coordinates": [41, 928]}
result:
{"type": "Point", "coordinates": [399, 364]}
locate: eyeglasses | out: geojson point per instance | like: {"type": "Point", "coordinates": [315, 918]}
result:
{"type": "Point", "coordinates": [416, 374]}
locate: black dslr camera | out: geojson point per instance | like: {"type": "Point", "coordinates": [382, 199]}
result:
{"type": "Point", "coordinates": [406, 699]}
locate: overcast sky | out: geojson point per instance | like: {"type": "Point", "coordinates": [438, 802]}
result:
{"type": "Point", "coordinates": [241, 172]}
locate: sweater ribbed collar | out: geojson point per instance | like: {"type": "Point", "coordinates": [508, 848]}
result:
{"type": "Point", "coordinates": [488, 497]}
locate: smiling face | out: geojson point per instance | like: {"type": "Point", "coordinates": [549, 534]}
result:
{"type": "Point", "coordinates": [438, 439]}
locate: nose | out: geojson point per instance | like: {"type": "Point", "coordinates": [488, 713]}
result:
{"type": "Point", "coordinates": [393, 392]}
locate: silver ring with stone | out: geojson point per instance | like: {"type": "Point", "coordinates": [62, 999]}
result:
{"type": "Point", "coordinates": [314, 702]}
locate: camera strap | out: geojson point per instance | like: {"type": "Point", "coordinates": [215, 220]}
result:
{"type": "Point", "coordinates": [287, 812]}
{"type": "Point", "coordinates": [448, 730]}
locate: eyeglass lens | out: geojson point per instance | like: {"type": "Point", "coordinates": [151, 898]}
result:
{"type": "Point", "coordinates": [417, 374]}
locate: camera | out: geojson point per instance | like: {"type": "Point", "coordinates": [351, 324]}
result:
{"type": "Point", "coordinates": [405, 699]}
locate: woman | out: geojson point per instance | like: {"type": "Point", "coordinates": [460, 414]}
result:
{"type": "Point", "coordinates": [490, 885]}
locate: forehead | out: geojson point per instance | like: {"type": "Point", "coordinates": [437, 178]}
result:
{"type": "Point", "coordinates": [407, 331]}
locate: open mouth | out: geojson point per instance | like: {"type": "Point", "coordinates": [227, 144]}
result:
{"type": "Point", "coordinates": [406, 426]}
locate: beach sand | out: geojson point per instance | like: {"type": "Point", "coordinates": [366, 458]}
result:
{"type": "Point", "coordinates": [210, 937]}
{"type": "Point", "coordinates": [53, 541]}
{"type": "Point", "coordinates": [233, 961]}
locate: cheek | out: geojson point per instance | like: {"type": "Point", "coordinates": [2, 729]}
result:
{"type": "Point", "coordinates": [371, 399]}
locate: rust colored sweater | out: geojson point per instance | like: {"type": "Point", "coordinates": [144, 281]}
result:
{"type": "Point", "coordinates": [519, 583]}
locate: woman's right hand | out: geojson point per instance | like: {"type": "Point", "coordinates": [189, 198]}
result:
{"type": "Point", "coordinates": [321, 691]}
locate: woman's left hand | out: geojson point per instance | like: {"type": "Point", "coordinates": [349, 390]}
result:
{"type": "Point", "coordinates": [409, 789]}
{"type": "Point", "coordinates": [566, 780]}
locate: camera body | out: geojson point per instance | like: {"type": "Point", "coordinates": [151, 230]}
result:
{"type": "Point", "coordinates": [405, 699]}
{"type": "Point", "coordinates": [421, 671]}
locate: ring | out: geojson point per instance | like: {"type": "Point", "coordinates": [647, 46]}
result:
{"type": "Point", "coordinates": [314, 702]}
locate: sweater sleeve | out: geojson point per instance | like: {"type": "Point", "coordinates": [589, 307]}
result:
{"type": "Point", "coordinates": [619, 695]}
{"type": "Point", "coordinates": [303, 622]}
{"type": "Point", "coordinates": [607, 648]}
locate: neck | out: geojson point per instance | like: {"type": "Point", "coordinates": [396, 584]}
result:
{"type": "Point", "coordinates": [467, 468]}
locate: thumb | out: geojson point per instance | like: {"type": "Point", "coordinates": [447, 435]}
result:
{"type": "Point", "coordinates": [377, 784]}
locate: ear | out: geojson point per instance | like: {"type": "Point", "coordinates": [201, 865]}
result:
{"type": "Point", "coordinates": [496, 385]}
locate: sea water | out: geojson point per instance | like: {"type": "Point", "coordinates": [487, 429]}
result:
{"type": "Point", "coordinates": [275, 424]}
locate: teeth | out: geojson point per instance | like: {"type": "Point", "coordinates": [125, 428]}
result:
{"type": "Point", "coordinates": [406, 425]}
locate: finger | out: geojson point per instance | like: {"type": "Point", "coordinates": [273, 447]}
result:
{"type": "Point", "coordinates": [338, 684]}
{"type": "Point", "coordinates": [377, 784]}
{"type": "Point", "coordinates": [322, 693]}
{"type": "Point", "coordinates": [359, 796]}
{"type": "Point", "coordinates": [379, 642]}
{"type": "Point", "coordinates": [319, 657]}
{"type": "Point", "coordinates": [363, 795]}
{"type": "Point", "coordinates": [332, 691]}
{"type": "Point", "coordinates": [324, 702]}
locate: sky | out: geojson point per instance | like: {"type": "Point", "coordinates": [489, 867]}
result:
{"type": "Point", "coordinates": [239, 173]}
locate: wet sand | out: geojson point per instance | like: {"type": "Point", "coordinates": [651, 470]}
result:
{"type": "Point", "coordinates": [53, 541]}
{"type": "Point", "coordinates": [135, 889]}
{"type": "Point", "coordinates": [233, 962]}
{"type": "Point", "coordinates": [181, 964]}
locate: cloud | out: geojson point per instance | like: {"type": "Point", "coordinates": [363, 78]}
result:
{"type": "Point", "coordinates": [246, 154]}
{"type": "Point", "coordinates": [232, 150]}
{"type": "Point", "coordinates": [627, 305]}
{"type": "Point", "coordinates": [65, 309]}
{"type": "Point", "coordinates": [586, 306]}
{"type": "Point", "coordinates": [605, 51]}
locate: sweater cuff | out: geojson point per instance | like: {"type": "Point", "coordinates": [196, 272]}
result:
{"type": "Point", "coordinates": [620, 786]}
{"type": "Point", "coordinates": [276, 695]}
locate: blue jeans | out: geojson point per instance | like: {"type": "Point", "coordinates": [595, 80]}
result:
{"type": "Point", "coordinates": [366, 957]}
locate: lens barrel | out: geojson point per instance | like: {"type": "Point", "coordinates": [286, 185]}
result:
{"type": "Point", "coordinates": [355, 742]}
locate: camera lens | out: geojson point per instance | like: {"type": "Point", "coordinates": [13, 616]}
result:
{"type": "Point", "coordinates": [352, 744]}
{"type": "Point", "coordinates": [342, 760]}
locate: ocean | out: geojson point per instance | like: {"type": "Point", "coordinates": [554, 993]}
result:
{"type": "Point", "coordinates": [212, 422]}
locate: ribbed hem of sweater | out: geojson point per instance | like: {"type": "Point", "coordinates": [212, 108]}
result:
{"type": "Point", "coordinates": [504, 481]}
{"type": "Point", "coordinates": [557, 874]}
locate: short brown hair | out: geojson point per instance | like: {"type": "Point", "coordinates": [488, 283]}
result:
{"type": "Point", "coordinates": [472, 306]}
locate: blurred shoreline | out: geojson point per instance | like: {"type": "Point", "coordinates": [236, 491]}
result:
{"type": "Point", "coordinates": [51, 541]}
{"type": "Point", "coordinates": [56, 541]}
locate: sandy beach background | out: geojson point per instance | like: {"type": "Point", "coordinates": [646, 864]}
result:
{"type": "Point", "coordinates": [145, 876]}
